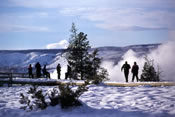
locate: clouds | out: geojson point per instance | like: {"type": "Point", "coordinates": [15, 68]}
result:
{"type": "Point", "coordinates": [23, 28]}
{"type": "Point", "coordinates": [60, 45]}
{"type": "Point", "coordinates": [122, 15]}
{"type": "Point", "coordinates": [23, 22]}
{"type": "Point", "coordinates": [88, 3]}
{"type": "Point", "coordinates": [128, 15]}
{"type": "Point", "coordinates": [129, 19]}
{"type": "Point", "coordinates": [128, 28]}
{"type": "Point", "coordinates": [34, 3]}
{"type": "Point", "coordinates": [101, 19]}
{"type": "Point", "coordinates": [52, 3]}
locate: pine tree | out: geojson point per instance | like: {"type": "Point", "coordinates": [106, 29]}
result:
{"type": "Point", "coordinates": [149, 73]}
{"type": "Point", "coordinates": [94, 69]}
{"type": "Point", "coordinates": [77, 53]}
{"type": "Point", "coordinates": [96, 61]}
{"type": "Point", "coordinates": [99, 73]}
{"type": "Point", "coordinates": [83, 64]}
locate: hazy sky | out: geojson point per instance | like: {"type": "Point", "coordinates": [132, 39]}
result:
{"type": "Point", "coordinates": [34, 24]}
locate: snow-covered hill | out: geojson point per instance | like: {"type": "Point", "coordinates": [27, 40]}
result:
{"type": "Point", "coordinates": [18, 60]}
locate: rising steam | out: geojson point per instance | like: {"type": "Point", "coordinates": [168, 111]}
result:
{"type": "Point", "coordinates": [163, 56]}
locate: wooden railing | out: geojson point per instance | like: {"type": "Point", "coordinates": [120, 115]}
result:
{"type": "Point", "coordinates": [7, 78]}
{"type": "Point", "coordinates": [14, 75]}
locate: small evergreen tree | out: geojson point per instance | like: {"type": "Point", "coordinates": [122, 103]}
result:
{"type": "Point", "coordinates": [35, 99]}
{"type": "Point", "coordinates": [96, 61]}
{"type": "Point", "coordinates": [96, 73]}
{"type": "Point", "coordinates": [69, 97]}
{"type": "Point", "coordinates": [83, 64]}
{"type": "Point", "coordinates": [101, 76]}
{"type": "Point", "coordinates": [77, 53]}
{"type": "Point", "coordinates": [149, 73]}
{"type": "Point", "coordinates": [54, 97]}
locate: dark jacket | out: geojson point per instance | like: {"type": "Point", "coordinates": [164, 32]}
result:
{"type": "Point", "coordinates": [126, 67]}
{"type": "Point", "coordinates": [38, 67]}
{"type": "Point", "coordinates": [30, 69]}
{"type": "Point", "coordinates": [135, 69]}
{"type": "Point", "coordinates": [58, 68]}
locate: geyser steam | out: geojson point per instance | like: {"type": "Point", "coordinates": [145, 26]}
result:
{"type": "Point", "coordinates": [163, 56]}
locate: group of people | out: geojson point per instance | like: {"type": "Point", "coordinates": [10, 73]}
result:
{"type": "Point", "coordinates": [38, 71]}
{"type": "Point", "coordinates": [67, 74]}
{"type": "Point", "coordinates": [135, 70]}
{"type": "Point", "coordinates": [126, 67]}
{"type": "Point", "coordinates": [46, 73]}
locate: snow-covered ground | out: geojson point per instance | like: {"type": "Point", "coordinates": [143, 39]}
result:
{"type": "Point", "coordinates": [99, 101]}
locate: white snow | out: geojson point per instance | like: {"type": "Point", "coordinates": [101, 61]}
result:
{"type": "Point", "coordinates": [99, 101]}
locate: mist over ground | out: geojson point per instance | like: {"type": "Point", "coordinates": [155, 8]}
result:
{"type": "Point", "coordinates": [163, 58]}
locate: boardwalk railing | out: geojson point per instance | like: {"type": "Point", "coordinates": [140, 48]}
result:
{"type": "Point", "coordinates": [8, 78]}
{"type": "Point", "coordinates": [14, 75]}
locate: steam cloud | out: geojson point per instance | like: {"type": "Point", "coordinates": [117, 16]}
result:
{"type": "Point", "coordinates": [63, 71]}
{"type": "Point", "coordinates": [163, 57]}
{"type": "Point", "coordinates": [62, 44]}
{"type": "Point", "coordinates": [115, 73]}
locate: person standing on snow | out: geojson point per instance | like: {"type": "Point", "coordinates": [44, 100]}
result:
{"type": "Point", "coordinates": [38, 70]}
{"type": "Point", "coordinates": [68, 74]}
{"type": "Point", "coordinates": [135, 71]}
{"type": "Point", "coordinates": [30, 71]}
{"type": "Point", "coordinates": [59, 71]}
{"type": "Point", "coordinates": [126, 68]}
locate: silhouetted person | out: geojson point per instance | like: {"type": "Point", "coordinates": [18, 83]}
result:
{"type": "Point", "coordinates": [135, 71]}
{"type": "Point", "coordinates": [38, 70]}
{"type": "Point", "coordinates": [126, 68]}
{"type": "Point", "coordinates": [30, 71]}
{"type": "Point", "coordinates": [59, 71]}
{"type": "Point", "coordinates": [68, 73]}
{"type": "Point", "coordinates": [45, 72]}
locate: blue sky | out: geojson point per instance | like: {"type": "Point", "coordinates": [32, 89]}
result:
{"type": "Point", "coordinates": [40, 24]}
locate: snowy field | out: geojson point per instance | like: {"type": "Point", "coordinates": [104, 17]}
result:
{"type": "Point", "coordinates": [99, 101]}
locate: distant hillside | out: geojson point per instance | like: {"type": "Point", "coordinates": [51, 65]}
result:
{"type": "Point", "coordinates": [18, 60]}
{"type": "Point", "coordinates": [115, 53]}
